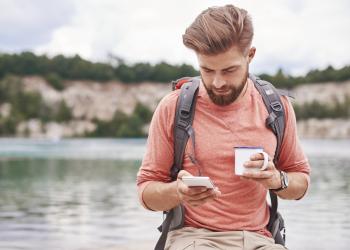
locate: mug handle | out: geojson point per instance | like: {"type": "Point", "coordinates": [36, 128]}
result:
{"type": "Point", "coordinates": [266, 160]}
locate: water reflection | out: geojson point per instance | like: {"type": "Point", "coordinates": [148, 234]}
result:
{"type": "Point", "coordinates": [88, 203]}
{"type": "Point", "coordinates": [67, 203]}
{"type": "Point", "coordinates": [321, 220]}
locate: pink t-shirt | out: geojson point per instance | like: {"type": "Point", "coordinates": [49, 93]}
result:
{"type": "Point", "coordinates": [242, 205]}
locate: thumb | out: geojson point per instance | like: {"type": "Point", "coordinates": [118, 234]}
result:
{"type": "Point", "coordinates": [183, 173]}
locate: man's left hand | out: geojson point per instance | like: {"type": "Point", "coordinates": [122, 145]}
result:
{"type": "Point", "coordinates": [269, 178]}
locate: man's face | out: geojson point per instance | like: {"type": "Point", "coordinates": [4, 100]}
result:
{"type": "Point", "coordinates": [225, 75]}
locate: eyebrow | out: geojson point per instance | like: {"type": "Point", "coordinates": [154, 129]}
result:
{"type": "Point", "coordinates": [225, 69]}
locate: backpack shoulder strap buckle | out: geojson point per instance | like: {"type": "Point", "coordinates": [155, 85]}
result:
{"type": "Point", "coordinates": [276, 106]}
{"type": "Point", "coordinates": [183, 124]}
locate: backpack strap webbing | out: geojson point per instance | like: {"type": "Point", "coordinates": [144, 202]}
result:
{"type": "Point", "coordinates": [276, 121]}
{"type": "Point", "coordinates": [274, 106]}
{"type": "Point", "coordinates": [184, 116]}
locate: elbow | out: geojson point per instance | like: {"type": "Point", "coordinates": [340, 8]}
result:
{"type": "Point", "coordinates": [141, 195]}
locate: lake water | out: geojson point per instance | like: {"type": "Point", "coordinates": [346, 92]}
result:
{"type": "Point", "coordinates": [81, 194]}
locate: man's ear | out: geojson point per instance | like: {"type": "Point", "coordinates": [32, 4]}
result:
{"type": "Point", "coordinates": [251, 54]}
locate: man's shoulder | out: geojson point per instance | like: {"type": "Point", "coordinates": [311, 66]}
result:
{"type": "Point", "coordinates": [169, 100]}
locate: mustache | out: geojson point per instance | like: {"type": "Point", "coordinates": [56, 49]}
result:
{"type": "Point", "coordinates": [223, 89]}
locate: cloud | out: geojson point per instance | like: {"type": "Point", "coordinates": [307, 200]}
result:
{"type": "Point", "coordinates": [311, 35]}
{"type": "Point", "coordinates": [27, 24]}
{"type": "Point", "coordinates": [296, 35]}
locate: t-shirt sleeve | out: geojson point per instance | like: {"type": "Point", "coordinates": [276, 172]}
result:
{"type": "Point", "coordinates": [292, 157]}
{"type": "Point", "coordinates": [159, 155]}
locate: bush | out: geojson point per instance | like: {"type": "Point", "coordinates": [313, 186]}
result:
{"type": "Point", "coordinates": [8, 125]}
{"type": "Point", "coordinates": [28, 105]}
{"type": "Point", "coordinates": [123, 125]}
{"type": "Point", "coordinates": [132, 127]}
{"type": "Point", "coordinates": [64, 113]}
{"type": "Point", "coordinates": [55, 81]}
{"type": "Point", "coordinates": [25, 105]}
{"type": "Point", "coordinates": [10, 86]}
{"type": "Point", "coordinates": [143, 112]}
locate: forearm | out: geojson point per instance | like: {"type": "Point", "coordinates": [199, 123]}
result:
{"type": "Point", "coordinates": [298, 184]}
{"type": "Point", "coordinates": [160, 196]}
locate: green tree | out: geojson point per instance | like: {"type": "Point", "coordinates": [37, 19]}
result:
{"type": "Point", "coordinates": [8, 125]}
{"type": "Point", "coordinates": [125, 73]}
{"type": "Point", "coordinates": [122, 125]}
{"type": "Point", "coordinates": [70, 68]}
{"type": "Point", "coordinates": [143, 112]}
{"type": "Point", "coordinates": [55, 81]}
{"type": "Point", "coordinates": [132, 127]}
{"type": "Point", "coordinates": [63, 113]}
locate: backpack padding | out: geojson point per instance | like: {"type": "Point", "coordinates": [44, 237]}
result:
{"type": "Point", "coordinates": [275, 121]}
{"type": "Point", "coordinates": [184, 116]}
{"type": "Point", "coordinates": [274, 106]}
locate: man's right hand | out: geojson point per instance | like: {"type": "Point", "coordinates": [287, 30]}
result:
{"type": "Point", "coordinates": [194, 196]}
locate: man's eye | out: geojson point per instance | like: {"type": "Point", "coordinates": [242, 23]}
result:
{"type": "Point", "coordinates": [208, 70]}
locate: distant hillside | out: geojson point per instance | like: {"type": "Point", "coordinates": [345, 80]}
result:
{"type": "Point", "coordinates": [30, 106]}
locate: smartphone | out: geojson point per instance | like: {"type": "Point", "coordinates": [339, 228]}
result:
{"type": "Point", "coordinates": [198, 181]}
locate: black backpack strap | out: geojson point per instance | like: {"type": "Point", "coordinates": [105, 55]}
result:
{"type": "Point", "coordinates": [183, 130]}
{"type": "Point", "coordinates": [184, 116]}
{"type": "Point", "coordinates": [164, 228]}
{"type": "Point", "coordinates": [274, 106]}
{"type": "Point", "coordinates": [276, 121]}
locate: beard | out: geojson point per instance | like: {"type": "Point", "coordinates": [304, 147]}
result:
{"type": "Point", "coordinates": [233, 92]}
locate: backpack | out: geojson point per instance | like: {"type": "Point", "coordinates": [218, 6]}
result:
{"type": "Point", "coordinates": [185, 110]}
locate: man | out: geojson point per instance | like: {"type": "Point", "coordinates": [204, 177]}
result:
{"type": "Point", "coordinates": [229, 112]}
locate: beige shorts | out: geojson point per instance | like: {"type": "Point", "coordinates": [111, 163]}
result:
{"type": "Point", "coordinates": [189, 238]}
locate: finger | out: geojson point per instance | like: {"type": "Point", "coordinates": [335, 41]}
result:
{"type": "Point", "coordinates": [205, 193]}
{"type": "Point", "coordinates": [258, 174]}
{"type": "Point", "coordinates": [183, 173]}
{"type": "Point", "coordinates": [253, 164]}
{"type": "Point", "coordinates": [202, 201]}
{"type": "Point", "coordinates": [201, 196]}
{"type": "Point", "coordinates": [259, 164]}
{"type": "Point", "coordinates": [186, 190]}
{"type": "Point", "coordinates": [258, 156]}
{"type": "Point", "coordinates": [244, 178]}
{"type": "Point", "coordinates": [210, 193]}
{"type": "Point", "coordinates": [197, 190]}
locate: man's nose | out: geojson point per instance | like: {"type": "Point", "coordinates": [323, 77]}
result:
{"type": "Point", "coordinates": [218, 82]}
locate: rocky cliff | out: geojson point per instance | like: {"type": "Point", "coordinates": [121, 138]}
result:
{"type": "Point", "coordinates": [92, 100]}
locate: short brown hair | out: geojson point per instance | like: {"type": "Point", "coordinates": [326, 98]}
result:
{"type": "Point", "coordinates": [217, 29]}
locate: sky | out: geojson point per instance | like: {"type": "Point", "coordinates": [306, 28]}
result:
{"type": "Point", "coordinates": [295, 35]}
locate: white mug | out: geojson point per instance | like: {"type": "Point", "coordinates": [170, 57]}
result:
{"type": "Point", "coordinates": [243, 154]}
